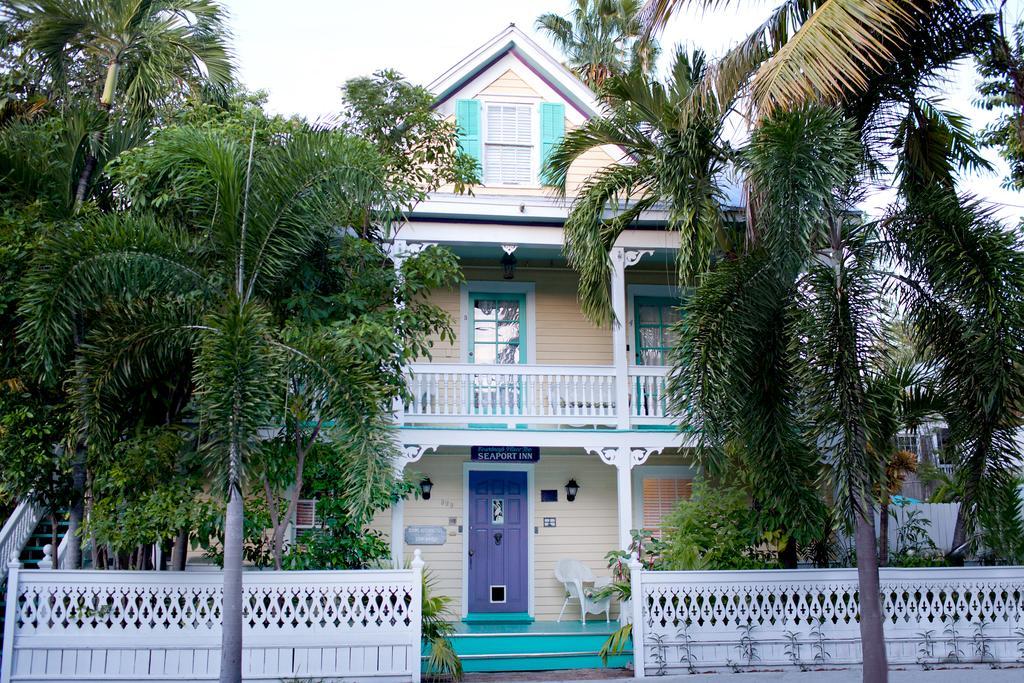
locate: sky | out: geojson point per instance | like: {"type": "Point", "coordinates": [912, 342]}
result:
{"type": "Point", "coordinates": [301, 51]}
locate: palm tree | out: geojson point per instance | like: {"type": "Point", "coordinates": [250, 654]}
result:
{"type": "Point", "coordinates": [157, 294]}
{"type": "Point", "coordinates": [600, 39]}
{"type": "Point", "coordinates": [147, 49]}
{"type": "Point", "coordinates": [667, 159]}
{"type": "Point", "coordinates": [828, 50]}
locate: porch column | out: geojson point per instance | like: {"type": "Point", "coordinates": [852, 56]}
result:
{"type": "Point", "coordinates": [409, 454]}
{"type": "Point", "coordinates": [619, 457]}
{"type": "Point", "coordinates": [398, 519]}
{"type": "Point", "coordinates": [620, 356]}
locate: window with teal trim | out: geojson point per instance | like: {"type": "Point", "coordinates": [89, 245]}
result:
{"type": "Point", "coordinates": [654, 318]}
{"type": "Point", "coordinates": [496, 330]}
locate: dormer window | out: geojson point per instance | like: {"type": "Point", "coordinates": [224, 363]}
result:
{"type": "Point", "coordinates": [508, 144]}
{"type": "Point", "coordinates": [510, 140]}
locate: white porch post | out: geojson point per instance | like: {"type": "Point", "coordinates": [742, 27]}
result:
{"type": "Point", "coordinates": [619, 457]}
{"type": "Point", "coordinates": [410, 454]}
{"type": "Point", "coordinates": [620, 357]}
{"type": "Point", "coordinates": [398, 528]}
{"type": "Point", "coordinates": [625, 458]}
{"type": "Point", "coordinates": [624, 490]}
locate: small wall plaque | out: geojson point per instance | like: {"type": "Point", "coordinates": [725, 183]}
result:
{"type": "Point", "coordinates": [425, 535]}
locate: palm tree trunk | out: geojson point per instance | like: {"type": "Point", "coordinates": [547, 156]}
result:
{"type": "Point", "coordinates": [91, 160]}
{"type": "Point", "coordinates": [179, 551]}
{"type": "Point", "coordinates": [231, 615]}
{"type": "Point", "coordinates": [883, 535]}
{"type": "Point", "coordinates": [872, 633]}
{"type": "Point", "coordinates": [76, 511]}
{"type": "Point", "coordinates": [955, 557]}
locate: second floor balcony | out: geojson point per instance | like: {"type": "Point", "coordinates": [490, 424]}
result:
{"type": "Point", "coordinates": [544, 396]}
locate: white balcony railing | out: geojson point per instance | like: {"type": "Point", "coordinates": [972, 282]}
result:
{"type": "Point", "coordinates": [567, 395]}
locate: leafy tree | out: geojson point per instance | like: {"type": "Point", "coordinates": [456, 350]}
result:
{"type": "Point", "coordinates": [200, 292]}
{"type": "Point", "coordinates": [1002, 89]}
{"type": "Point", "coordinates": [420, 147]}
{"type": "Point", "coordinates": [600, 39]}
{"type": "Point", "coordinates": [145, 50]}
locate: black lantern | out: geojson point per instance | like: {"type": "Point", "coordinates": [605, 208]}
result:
{"type": "Point", "coordinates": [425, 486]}
{"type": "Point", "coordinates": [508, 265]}
{"type": "Point", "coordinates": [571, 489]}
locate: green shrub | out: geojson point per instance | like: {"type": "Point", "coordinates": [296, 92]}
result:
{"type": "Point", "coordinates": [717, 529]}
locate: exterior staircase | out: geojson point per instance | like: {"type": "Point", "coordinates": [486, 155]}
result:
{"type": "Point", "coordinates": [540, 646]}
{"type": "Point", "coordinates": [31, 554]}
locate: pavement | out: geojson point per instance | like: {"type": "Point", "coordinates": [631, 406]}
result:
{"type": "Point", "coordinates": [1014, 674]}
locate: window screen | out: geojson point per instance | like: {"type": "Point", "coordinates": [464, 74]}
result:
{"type": "Point", "coordinates": [654, 320]}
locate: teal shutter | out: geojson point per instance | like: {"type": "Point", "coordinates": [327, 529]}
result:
{"type": "Point", "coordinates": [467, 118]}
{"type": "Point", "coordinates": [552, 129]}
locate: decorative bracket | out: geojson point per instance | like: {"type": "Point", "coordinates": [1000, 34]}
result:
{"type": "Point", "coordinates": [412, 453]}
{"type": "Point", "coordinates": [401, 250]}
{"type": "Point", "coordinates": [638, 456]}
{"type": "Point", "coordinates": [633, 256]}
{"type": "Point", "coordinates": [609, 456]}
{"type": "Point", "coordinates": [509, 248]}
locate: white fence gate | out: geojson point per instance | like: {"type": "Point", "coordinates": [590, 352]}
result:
{"type": "Point", "coordinates": [697, 621]}
{"type": "Point", "coordinates": [146, 626]}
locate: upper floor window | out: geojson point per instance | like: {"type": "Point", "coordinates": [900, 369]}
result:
{"type": "Point", "coordinates": [508, 144]}
{"type": "Point", "coordinates": [654, 318]}
{"type": "Point", "coordinates": [511, 141]}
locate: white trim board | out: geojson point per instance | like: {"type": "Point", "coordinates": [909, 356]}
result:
{"type": "Point", "coordinates": [529, 289]}
{"type": "Point", "coordinates": [530, 504]}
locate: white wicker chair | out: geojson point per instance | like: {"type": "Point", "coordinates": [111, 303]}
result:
{"type": "Point", "coordinates": [574, 574]}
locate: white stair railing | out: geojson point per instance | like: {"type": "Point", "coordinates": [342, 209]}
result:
{"type": "Point", "coordinates": [16, 532]}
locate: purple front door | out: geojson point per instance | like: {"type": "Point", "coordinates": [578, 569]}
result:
{"type": "Point", "coordinates": [498, 528]}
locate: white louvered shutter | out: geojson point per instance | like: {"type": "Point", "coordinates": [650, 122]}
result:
{"type": "Point", "coordinates": [661, 495]}
{"type": "Point", "coordinates": [305, 514]}
{"type": "Point", "coordinates": [508, 150]}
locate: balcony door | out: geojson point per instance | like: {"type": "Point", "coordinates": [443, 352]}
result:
{"type": "Point", "coordinates": [497, 325]}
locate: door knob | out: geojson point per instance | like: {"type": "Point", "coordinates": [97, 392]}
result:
{"type": "Point", "coordinates": [497, 538]}
{"type": "Point", "coordinates": [471, 553]}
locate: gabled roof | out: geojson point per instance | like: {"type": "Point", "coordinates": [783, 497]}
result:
{"type": "Point", "coordinates": [512, 41]}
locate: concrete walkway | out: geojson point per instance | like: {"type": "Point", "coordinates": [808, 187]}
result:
{"type": "Point", "coordinates": [1009, 675]}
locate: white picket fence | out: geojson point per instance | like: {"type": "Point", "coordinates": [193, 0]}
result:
{"type": "Point", "coordinates": [753, 619]}
{"type": "Point", "coordinates": [146, 626]}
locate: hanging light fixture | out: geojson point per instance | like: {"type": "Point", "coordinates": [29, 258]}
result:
{"type": "Point", "coordinates": [508, 261]}
{"type": "Point", "coordinates": [571, 489]}
{"type": "Point", "coordinates": [425, 487]}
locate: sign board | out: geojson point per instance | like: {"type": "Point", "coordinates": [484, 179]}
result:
{"type": "Point", "coordinates": [505, 453]}
{"type": "Point", "coordinates": [425, 535]}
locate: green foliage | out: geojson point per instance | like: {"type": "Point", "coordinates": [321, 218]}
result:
{"type": "Point", "coordinates": [914, 545]}
{"type": "Point", "coordinates": [601, 39]}
{"type": "Point", "coordinates": [616, 643]}
{"type": "Point", "coordinates": [341, 539]}
{"type": "Point", "coordinates": [437, 632]}
{"type": "Point", "coordinates": [421, 149]}
{"type": "Point", "coordinates": [716, 528]}
{"type": "Point", "coordinates": [31, 430]}
{"type": "Point", "coordinates": [146, 490]}
{"type": "Point", "coordinates": [1002, 90]}
{"type": "Point", "coordinates": [678, 160]}
{"type": "Point", "coordinates": [209, 533]}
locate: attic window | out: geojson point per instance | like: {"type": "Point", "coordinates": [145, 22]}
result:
{"type": "Point", "coordinates": [508, 146]}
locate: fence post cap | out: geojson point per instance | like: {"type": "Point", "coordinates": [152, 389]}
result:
{"type": "Point", "coordinates": [417, 559]}
{"type": "Point", "coordinates": [47, 561]}
{"type": "Point", "coordinates": [634, 562]}
{"type": "Point", "coordinates": [14, 560]}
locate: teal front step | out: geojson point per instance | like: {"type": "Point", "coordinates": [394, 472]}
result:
{"type": "Point", "coordinates": [540, 646]}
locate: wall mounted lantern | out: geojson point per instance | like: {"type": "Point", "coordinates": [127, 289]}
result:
{"type": "Point", "coordinates": [571, 489]}
{"type": "Point", "coordinates": [425, 486]}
